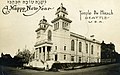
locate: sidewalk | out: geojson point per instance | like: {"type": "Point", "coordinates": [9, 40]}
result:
{"type": "Point", "coordinates": [92, 68]}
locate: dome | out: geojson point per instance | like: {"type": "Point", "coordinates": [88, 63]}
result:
{"type": "Point", "coordinates": [43, 20]}
{"type": "Point", "coordinates": [61, 9]}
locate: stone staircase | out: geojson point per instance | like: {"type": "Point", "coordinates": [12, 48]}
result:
{"type": "Point", "coordinates": [37, 64]}
{"type": "Point", "coordinates": [42, 64]}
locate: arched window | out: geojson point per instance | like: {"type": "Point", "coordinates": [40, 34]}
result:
{"type": "Point", "coordinates": [86, 48]}
{"type": "Point", "coordinates": [72, 45]}
{"type": "Point", "coordinates": [92, 49]}
{"type": "Point", "coordinates": [49, 35]}
{"type": "Point", "coordinates": [80, 46]}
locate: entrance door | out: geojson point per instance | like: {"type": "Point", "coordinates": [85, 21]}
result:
{"type": "Point", "coordinates": [56, 57]}
{"type": "Point", "coordinates": [48, 52]}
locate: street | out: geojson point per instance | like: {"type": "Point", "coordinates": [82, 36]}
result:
{"type": "Point", "coordinates": [111, 69]}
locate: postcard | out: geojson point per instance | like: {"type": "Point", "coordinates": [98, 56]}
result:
{"type": "Point", "coordinates": [59, 35]}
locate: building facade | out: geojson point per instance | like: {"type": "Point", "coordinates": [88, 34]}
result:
{"type": "Point", "coordinates": [58, 44]}
{"type": "Point", "coordinates": [108, 53]}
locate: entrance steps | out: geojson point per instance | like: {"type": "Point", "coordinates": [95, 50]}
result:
{"type": "Point", "coordinates": [41, 64]}
{"type": "Point", "coordinates": [37, 64]}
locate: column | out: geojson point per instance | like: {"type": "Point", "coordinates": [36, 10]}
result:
{"type": "Point", "coordinates": [38, 54]}
{"type": "Point", "coordinates": [35, 54]}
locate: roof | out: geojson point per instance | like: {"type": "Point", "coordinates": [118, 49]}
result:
{"type": "Point", "coordinates": [62, 9]}
{"type": "Point", "coordinates": [84, 38]}
{"type": "Point", "coordinates": [63, 18]}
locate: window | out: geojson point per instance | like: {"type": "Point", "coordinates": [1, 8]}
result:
{"type": "Point", "coordinates": [80, 46]}
{"type": "Point", "coordinates": [49, 35]}
{"type": "Point", "coordinates": [55, 47]}
{"type": "Point", "coordinates": [58, 15]}
{"type": "Point", "coordinates": [72, 58]}
{"type": "Point", "coordinates": [44, 26]}
{"type": "Point", "coordinates": [64, 57]}
{"type": "Point", "coordinates": [86, 48]}
{"type": "Point", "coordinates": [63, 15]}
{"type": "Point", "coordinates": [56, 57]}
{"type": "Point", "coordinates": [63, 24]}
{"type": "Point", "coordinates": [54, 26]}
{"type": "Point", "coordinates": [58, 25]}
{"type": "Point", "coordinates": [79, 59]}
{"type": "Point", "coordinates": [98, 47]}
{"type": "Point", "coordinates": [97, 53]}
{"type": "Point", "coordinates": [67, 24]}
{"type": "Point", "coordinates": [72, 45]}
{"type": "Point", "coordinates": [92, 49]}
{"type": "Point", "coordinates": [64, 47]}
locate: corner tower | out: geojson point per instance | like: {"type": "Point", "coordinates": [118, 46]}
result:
{"type": "Point", "coordinates": [44, 41]}
{"type": "Point", "coordinates": [61, 31]}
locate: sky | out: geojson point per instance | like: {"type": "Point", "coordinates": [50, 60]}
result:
{"type": "Point", "coordinates": [18, 31]}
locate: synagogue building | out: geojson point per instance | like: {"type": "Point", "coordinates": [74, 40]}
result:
{"type": "Point", "coordinates": [58, 44]}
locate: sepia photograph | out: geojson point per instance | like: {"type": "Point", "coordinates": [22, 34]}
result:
{"type": "Point", "coordinates": [59, 37]}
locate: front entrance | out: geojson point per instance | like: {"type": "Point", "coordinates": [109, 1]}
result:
{"type": "Point", "coordinates": [56, 57]}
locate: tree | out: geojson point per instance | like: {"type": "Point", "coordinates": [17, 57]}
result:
{"type": "Point", "coordinates": [24, 55]}
{"type": "Point", "coordinates": [2, 54]}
